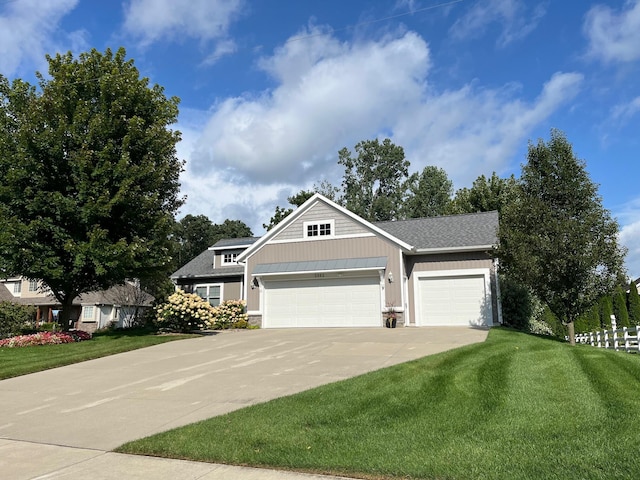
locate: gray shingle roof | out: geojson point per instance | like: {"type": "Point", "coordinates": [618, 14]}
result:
{"type": "Point", "coordinates": [235, 242]}
{"type": "Point", "coordinates": [202, 266]}
{"type": "Point", "coordinates": [453, 231]}
{"type": "Point", "coordinates": [322, 265]}
{"type": "Point", "coordinates": [5, 294]}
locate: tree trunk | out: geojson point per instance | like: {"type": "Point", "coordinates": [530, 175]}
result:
{"type": "Point", "coordinates": [572, 333]}
{"type": "Point", "coordinates": [65, 314]}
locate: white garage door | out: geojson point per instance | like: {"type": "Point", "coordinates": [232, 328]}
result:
{"type": "Point", "coordinates": [455, 300]}
{"type": "Point", "coordinates": [336, 302]}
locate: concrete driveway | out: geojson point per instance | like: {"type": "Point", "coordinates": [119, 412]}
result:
{"type": "Point", "coordinates": [100, 404]}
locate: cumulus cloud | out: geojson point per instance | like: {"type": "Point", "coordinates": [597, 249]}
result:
{"type": "Point", "coordinates": [614, 35]}
{"type": "Point", "coordinates": [514, 17]}
{"type": "Point", "coordinates": [28, 30]}
{"type": "Point", "coordinates": [153, 20]}
{"type": "Point", "coordinates": [629, 218]}
{"type": "Point", "coordinates": [254, 150]}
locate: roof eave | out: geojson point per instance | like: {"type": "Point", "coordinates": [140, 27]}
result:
{"type": "Point", "coordinates": [470, 248]}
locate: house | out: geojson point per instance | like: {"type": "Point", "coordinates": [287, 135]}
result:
{"type": "Point", "coordinates": [215, 274]}
{"type": "Point", "coordinates": [324, 266]}
{"type": "Point", "coordinates": [119, 305]}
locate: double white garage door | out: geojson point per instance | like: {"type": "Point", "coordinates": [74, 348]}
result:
{"type": "Point", "coordinates": [323, 302]}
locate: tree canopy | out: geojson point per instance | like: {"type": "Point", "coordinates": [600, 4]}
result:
{"type": "Point", "coordinates": [374, 180]}
{"type": "Point", "coordinates": [485, 195]}
{"type": "Point", "coordinates": [555, 235]}
{"type": "Point", "coordinates": [89, 176]}
{"type": "Point", "coordinates": [428, 193]}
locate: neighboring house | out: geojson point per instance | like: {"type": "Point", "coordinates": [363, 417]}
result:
{"type": "Point", "coordinates": [324, 266]}
{"type": "Point", "coordinates": [215, 274]}
{"type": "Point", "coordinates": [119, 305]}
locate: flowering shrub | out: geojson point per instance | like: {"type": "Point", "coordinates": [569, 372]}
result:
{"type": "Point", "coordinates": [230, 314]}
{"type": "Point", "coordinates": [184, 312]}
{"type": "Point", "coordinates": [45, 338]}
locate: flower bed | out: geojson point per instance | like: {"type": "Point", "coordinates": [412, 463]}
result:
{"type": "Point", "coordinates": [45, 338]}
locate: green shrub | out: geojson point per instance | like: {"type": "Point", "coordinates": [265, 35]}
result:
{"type": "Point", "coordinates": [184, 312]}
{"type": "Point", "coordinates": [517, 303]}
{"type": "Point", "coordinates": [230, 314]}
{"type": "Point", "coordinates": [48, 327]}
{"type": "Point", "coordinates": [606, 310]}
{"type": "Point", "coordinates": [557, 327]}
{"type": "Point", "coordinates": [633, 304]}
{"type": "Point", "coordinates": [14, 317]}
{"type": "Point", "coordinates": [620, 307]}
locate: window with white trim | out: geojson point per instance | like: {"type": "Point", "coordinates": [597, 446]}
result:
{"type": "Point", "coordinates": [33, 285]}
{"type": "Point", "coordinates": [87, 312]}
{"type": "Point", "coordinates": [211, 293]}
{"type": "Point", "coordinates": [17, 287]}
{"type": "Point", "coordinates": [323, 228]}
{"type": "Point", "coordinates": [229, 258]}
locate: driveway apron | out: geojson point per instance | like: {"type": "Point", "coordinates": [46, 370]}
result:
{"type": "Point", "coordinates": [100, 404]}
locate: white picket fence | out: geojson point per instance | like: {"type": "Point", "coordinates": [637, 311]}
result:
{"type": "Point", "coordinates": [625, 338]}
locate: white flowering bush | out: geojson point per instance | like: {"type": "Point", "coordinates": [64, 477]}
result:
{"type": "Point", "coordinates": [230, 314]}
{"type": "Point", "coordinates": [185, 312]}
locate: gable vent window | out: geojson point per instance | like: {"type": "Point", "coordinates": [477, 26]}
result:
{"type": "Point", "coordinates": [319, 229]}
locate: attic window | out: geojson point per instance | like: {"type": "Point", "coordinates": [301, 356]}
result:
{"type": "Point", "coordinates": [319, 229]}
{"type": "Point", "coordinates": [228, 258]}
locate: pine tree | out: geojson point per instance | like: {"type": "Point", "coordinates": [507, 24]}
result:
{"type": "Point", "coordinates": [606, 310]}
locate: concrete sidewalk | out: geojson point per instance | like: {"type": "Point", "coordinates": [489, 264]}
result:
{"type": "Point", "coordinates": [61, 423]}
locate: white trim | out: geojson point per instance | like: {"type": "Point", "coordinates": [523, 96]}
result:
{"type": "Point", "coordinates": [336, 237]}
{"type": "Point", "coordinates": [472, 248]}
{"type": "Point", "coordinates": [230, 247]}
{"type": "Point", "coordinates": [498, 293]}
{"type": "Point", "coordinates": [308, 272]}
{"type": "Point", "coordinates": [485, 272]}
{"type": "Point", "coordinates": [308, 205]}
{"type": "Point", "coordinates": [403, 292]}
{"type": "Point", "coordinates": [232, 262]}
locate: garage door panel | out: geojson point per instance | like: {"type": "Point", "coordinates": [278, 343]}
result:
{"type": "Point", "coordinates": [455, 300]}
{"type": "Point", "coordinates": [335, 302]}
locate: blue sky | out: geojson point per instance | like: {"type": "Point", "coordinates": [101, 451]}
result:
{"type": "Point", "coordinates": [272, 89]}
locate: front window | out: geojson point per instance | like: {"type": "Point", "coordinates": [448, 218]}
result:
{"type": "Point", "coordinates": [210, 293]}
{"type": "Point", "coordinates": [33, 285]}
{"type": "Point", "coordinates": [87, 313]}
{"type": "Point", "coordinates": [17, 287]}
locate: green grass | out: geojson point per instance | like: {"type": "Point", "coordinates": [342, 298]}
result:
{"type": "Point", "coordinates": [514, 407]}
{"type": "Point", "coordinates": [24, 360]}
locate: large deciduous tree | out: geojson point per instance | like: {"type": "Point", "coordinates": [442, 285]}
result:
{"type": "Point", "coordinates": [374, 180]}
{"type": "Point", "coordinates": [89, 177]}
{"type": "Point", "coordinates": [555, 235]}
{"type": "Point", "coordinates": [428, 193]}
{"type": "Point", "coordinates": [485, 195]}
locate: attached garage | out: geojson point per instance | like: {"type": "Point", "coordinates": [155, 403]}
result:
{"type": "Point", "coordinates": [325, 293]}
{"type": "Point", "coordinates": [322, 302]}
{"type": "Point", "coordinates": [460, 298]}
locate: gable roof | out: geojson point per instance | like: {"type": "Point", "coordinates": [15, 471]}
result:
{"type": "Point", "coordinates": [202, 266]}
{"type": "Point", "coordinates": [447, 233]}
{"type": "Point", "coordinates": [5, 294]}
{"type": "Point", "coordinates": [306, 206]}
{"type": "Point", "coordinates": [227, 243]}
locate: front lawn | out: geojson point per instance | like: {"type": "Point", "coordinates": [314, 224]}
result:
{"type": "Point", "coordinates": [514, 407]}
{"type": "Point", "coordinates": [22, 360]}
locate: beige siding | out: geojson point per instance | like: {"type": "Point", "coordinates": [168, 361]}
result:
{"type": "Point", "coordinates": [219, 257]}
{"type": "Point", "coordinates": [444, 262]}
{"type": "Point", "coordinates": [330, 250]}
{"type": "Point", "coordinates": [232, 291]}
{"type": "Point", "coordinates": [344, 225]}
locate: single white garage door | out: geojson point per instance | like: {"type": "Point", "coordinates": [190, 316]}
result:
{"type": "Point", "coordinates": [321, 302]}
{"type": "Point", "coordinates": [455, 300]}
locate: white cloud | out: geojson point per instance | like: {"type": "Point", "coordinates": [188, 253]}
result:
{"type": "Point", "coordinates": [255, 150]}
{"type": "Point", "coordinates": [629, 234]}
{"type": "Point", "coordinates": [28, 31]}
{"type": "Point", "coordinates": [625, 111]}
{"type": "Point", "coordinates": [614, 36]}
{"type": "Point", "coordinates": [153, 20]}
{"type": "Point", "coordinates": [515, 19]}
